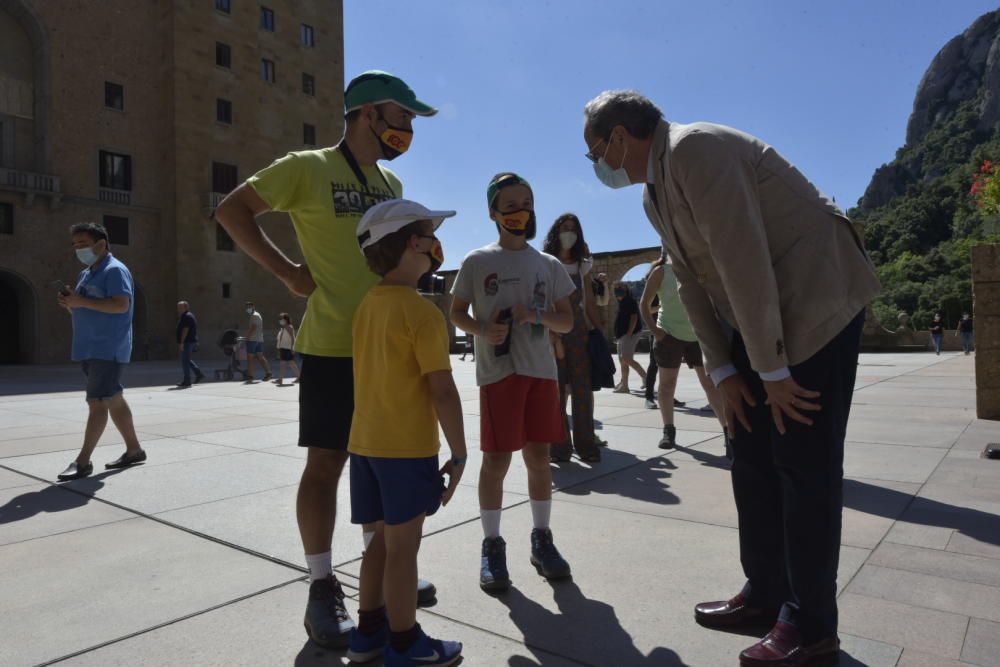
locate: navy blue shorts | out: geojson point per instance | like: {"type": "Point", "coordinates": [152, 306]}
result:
{"type": "Point", "coordinates": [255, 347]}
{"type": "Point", "coordinates": [104, 378]}
{"type": "Point", "coordinates": [394, 490]}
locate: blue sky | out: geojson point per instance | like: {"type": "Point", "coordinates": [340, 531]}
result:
{"type": "Point", "coordinates": [829, 84]}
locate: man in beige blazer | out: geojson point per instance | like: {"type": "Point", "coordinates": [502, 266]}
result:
{"type": "Point", "coordinates": [775, 280]}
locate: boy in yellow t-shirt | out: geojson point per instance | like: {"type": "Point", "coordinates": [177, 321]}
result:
{"type": "Point", "coordinates": [403, 387]}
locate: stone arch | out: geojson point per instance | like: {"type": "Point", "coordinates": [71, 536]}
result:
{"type": "Point", "coordinates": [616, 264]}
{"type": "Point", "coordinates": [19, 308]}
{"type": "Point", "coordinates": [25, 15]}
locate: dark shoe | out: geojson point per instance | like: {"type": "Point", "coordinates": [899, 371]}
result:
{"type": "Point", "coordinates": [266, 377]}
{"type": "Point", "coordinates": [426, 593]}
{"type": "Point", "coordinates": [75, 471]}
{"type": "Point", "coordinates": [679, 404]}
{"type": "Point", "coordinates": [493, 574]}
{"type": "Point", "coordinates": [669, 439]}
{"type": "Point", "coordinates": [124, 461]}
{"type": "Point", "coordinates": [546, 558]}
{"type": "Point", "coordinates": [783, 647]}
{"type": "Point", "coordinates": [651, 404]}
{"type": "Point", "coordinates": [198, 378]}
{"type": "Point", "coordinates": [733, 613]}
{"type": "Point", "coordinates": [327, 621]}
{"type": "Point", "coordinates": [561, 452]}
{"type": "Point", "coordinates": [590, 455]}
{"type": "Point", "coordinates": [599, 442]}
{"type": "Point", "coordinates": [183, 385]}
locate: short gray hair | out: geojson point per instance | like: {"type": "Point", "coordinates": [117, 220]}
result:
{"type": "Point", "coordinates": [628, 108]}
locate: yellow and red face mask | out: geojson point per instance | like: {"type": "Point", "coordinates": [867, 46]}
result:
{"type": "Point", "coordinates": [395, 140]}
{"type": "Point", "coordinates": [518, 223]}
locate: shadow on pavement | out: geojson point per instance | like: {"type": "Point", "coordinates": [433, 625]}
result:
{"type": "Point", "coordinates": [590, 626]}
{"type": "Point", "coordinates": [635, 477]}
{"type": "Point", "coordinates": [54, 498]}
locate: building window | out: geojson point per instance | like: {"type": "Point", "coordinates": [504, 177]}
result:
{"type": "Point", "coordinates": [223, 55]}
{"type": "Point", "coordinates": [308, 134]}
{"type": "Point", "coordinates": [267, 70]}
{"type": "Point", "coordinates": [308, 84]}
{"type": "Point", "coordinates": [224, 111]}
{"type": "Point", "coordinates": [223, 177]}
{"type": "Point", "coordinates": [117, 227]}
{"type": "Point", "coordinates": [224, 243]}
{"type": "Point", "coordinates": [114, 96]}
{"type": "Point", "coordinates": [267, 19]}
{"type": "Point", "coordinates": [226, 290]}
{"type": "Point", "coordinates": [223, 6]}
{"type": "Point", "coordinates": [308, 37]}
{"type": "Point", "coordinates": [6, 218]}
{"type": "Point", "coordinates": [116, 170]}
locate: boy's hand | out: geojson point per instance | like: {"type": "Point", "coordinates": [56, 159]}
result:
{"type": "Point", "coordinates": [454, 473]}
{"type": "Point", "coordinates": [522, 314]}
{"type": "Point", "coordinates": [494, 332]}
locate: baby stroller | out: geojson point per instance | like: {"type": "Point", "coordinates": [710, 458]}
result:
{"type": "Point", "coordinates": [234, 347]}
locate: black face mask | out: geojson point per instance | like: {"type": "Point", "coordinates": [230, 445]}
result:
{"type": "Point", "coordinates": [529, 229]}
{"type": "Point", "coordinates": [394, 141]}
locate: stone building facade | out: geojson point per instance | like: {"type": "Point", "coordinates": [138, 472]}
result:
{"type": "Point", "coordinates": [142, 115]}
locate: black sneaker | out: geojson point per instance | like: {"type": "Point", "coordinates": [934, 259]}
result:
{"type": "Point", "coordinates": [327, 622]}
{"type": "Point", "coordinates": [545, 557]}
{"type": "Point", "coordinates": [493, 574]}
{"type": "Point", "coordinates": [199, 377]}
{"type": "Point", "coordinates": [426, 593]}
{"type": "Point", "coordinates": [266, 377]}
{"type": "Point", "coordinates": [679, 404]}
{"type": "Point", "coordinates": [669, 439]}
{"type": "Point", "coordinates": [182, 385]}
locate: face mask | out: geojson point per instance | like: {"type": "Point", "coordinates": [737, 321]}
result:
{"type": "Point", "coordinates": [519, 223]}
{"type": "Point", "coordinates": [567, 239]}
{"type": "Point", "coordinates": [86, 255]}
{"type": "Point", "coordinates": [281, 323]}
{"type": "Point", "coordinates": [613, 178]}
{"type": "Point", "coordinates": [249, 311]}
{"type": "Point", "coordinates": [395, 140]}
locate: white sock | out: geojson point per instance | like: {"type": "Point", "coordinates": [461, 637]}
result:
{"type": "Point", "coordinates": [541, 512]}
{"type": "Point", "coordinates": [491, 522]}
{"type": "Point", "coordinates": [320, 565]}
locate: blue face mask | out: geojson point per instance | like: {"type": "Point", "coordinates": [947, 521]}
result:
{"type": "Point", "coordinates": [613, 178]}
{"type": "Point", "coordinates": [86, 255]}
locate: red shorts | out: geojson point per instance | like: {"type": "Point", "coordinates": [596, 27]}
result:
{"type": "Point", "coordinates": [518, 410]}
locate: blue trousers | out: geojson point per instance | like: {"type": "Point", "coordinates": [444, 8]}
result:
{"type": "Point", "coordinates": [187, 363]}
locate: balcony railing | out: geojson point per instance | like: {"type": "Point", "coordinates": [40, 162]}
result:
{"type": "Point", "coordinates": [114, 196]}
{"type": "Point", "coordinates": [31, 185]}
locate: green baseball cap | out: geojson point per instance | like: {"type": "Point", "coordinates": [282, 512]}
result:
{"type": "Point", "coordinates": [377, 87]}
{"type": "Point", "coordinates": [502, 180]}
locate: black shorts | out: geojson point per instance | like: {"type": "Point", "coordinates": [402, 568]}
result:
{"type": "Point", "coordinates": [285, 354]}
{"type": "Point", "coordinates": [670, 352]}
{"type": "Point", "coordinates": [326, 401]}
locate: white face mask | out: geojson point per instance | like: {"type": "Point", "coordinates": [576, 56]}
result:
{"type": "Point", "coordinates": [249, 311]}
{"type": "Point", "coordinates": [567, 239]}
{"type": "Point", "coordinates": [281, 323]}
{"type": "Point", "coordinates": [613, 178]}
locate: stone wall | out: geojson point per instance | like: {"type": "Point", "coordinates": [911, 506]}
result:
{"type": "Point", "coordinates": [986, 295]}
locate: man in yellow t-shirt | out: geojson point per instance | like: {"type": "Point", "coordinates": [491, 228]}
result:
{"type": "Point", "coordinates": [325, 192]}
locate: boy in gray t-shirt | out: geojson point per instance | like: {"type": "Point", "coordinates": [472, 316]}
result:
{"type": "Point", "coordinates": [517, 295]}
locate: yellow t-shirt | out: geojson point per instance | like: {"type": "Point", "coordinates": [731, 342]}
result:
{"type": "Point", "coordinates": [399, 337]}
{"type": "Point", "coordinates": [325, 200]}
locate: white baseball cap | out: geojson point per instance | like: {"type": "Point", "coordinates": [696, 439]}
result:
{"type": "Point", "coordinates": [390, 216]}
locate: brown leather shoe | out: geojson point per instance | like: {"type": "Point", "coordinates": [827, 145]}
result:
{"type": "Point", "coordinates": [733, 613]}
{"type": "Point", "coordinates": [782, 647]}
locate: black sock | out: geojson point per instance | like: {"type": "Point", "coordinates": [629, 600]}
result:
{"type": "Point", "coordinates": [370, 622]}
{"type": "Point", "coordinates": [402, 641]}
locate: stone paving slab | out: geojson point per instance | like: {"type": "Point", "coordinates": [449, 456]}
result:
{"type": "Point", "coordinates": [649, 533]}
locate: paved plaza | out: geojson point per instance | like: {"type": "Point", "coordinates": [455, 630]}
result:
{"type": "Point", "coordinates": [194, 558]}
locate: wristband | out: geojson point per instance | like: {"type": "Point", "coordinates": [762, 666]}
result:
{"type": "Point", "coordinates": [458, 460]}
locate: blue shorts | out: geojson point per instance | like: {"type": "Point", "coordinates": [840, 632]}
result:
{"type": "Point", "coordinates": [255, 347]}
{"type": "Point", "coordinates": [394, 490]}
{"type": "Point", "coordinates": [104, 378]}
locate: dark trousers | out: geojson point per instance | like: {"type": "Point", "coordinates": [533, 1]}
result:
{"type": "Point", "coordinates": [187, 363]}
{"type": "Point", "coordinates": [789, 489]}
{"type": "Point", "coordinates": [651, 373]}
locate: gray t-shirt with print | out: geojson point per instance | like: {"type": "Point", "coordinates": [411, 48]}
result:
{"type": "Point", "coordinates": [493, 279]}
{"type": "Point", "coordinates": [258, 321]}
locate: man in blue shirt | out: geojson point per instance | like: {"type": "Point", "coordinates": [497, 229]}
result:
{"type": "Point", "coordinates": [187, 340]}
{"type": "Point", "coordinates": [101, 307]}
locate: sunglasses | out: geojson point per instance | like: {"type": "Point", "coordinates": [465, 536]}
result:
{"type": "Point", "coordinates": [592, 155]}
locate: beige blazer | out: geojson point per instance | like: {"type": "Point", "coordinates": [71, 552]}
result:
{"type": "Point", "coordinates": [754, 244]}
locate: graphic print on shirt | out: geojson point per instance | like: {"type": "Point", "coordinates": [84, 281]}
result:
{"type": "Point", "coordinates": [349, 201]}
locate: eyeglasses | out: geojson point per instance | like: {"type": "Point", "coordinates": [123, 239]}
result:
{"type": "Point", "coordinates": [592, 156]}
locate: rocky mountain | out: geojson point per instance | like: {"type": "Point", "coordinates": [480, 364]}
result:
{"type": "Point", "coordinates": [919, 217]}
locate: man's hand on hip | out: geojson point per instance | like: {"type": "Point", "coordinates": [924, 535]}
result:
{"type": "Point", "coordinates": [786, 397]}
{"type": "Point", "coordinates": [300, 281]}
{"type": "Point", "coordinates": [736, 391]}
